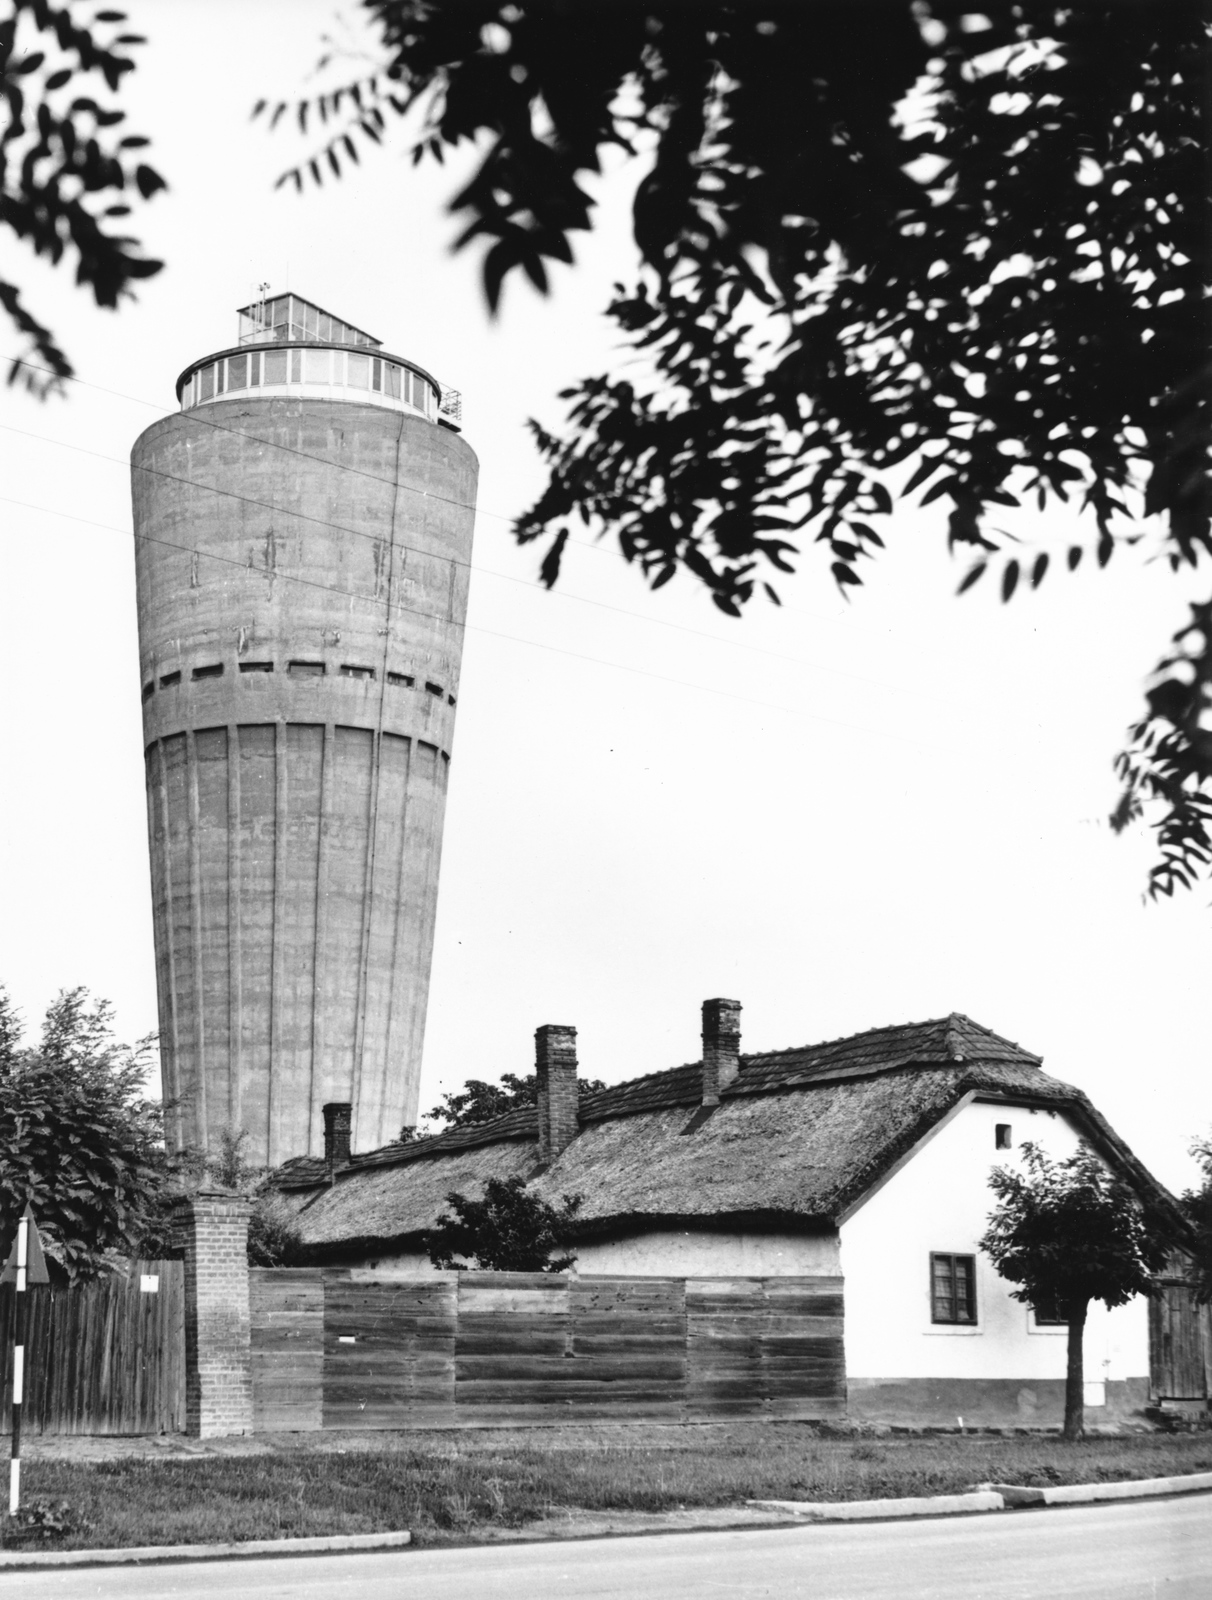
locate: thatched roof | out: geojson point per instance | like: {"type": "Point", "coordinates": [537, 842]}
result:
{"type": "Point", "coordinates": [390, 1203]}
{"type": "Point", "coordinates": [797, 1140]}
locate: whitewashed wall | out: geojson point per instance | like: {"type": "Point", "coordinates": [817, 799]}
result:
{"type": "Point", "coordinates": [403, 1264]}
{"type": "Point", "coordinates": [682, 1253]}
{"type": "Point", "coordinates": [668, 1253]}
{"type": "Point", "coordinates": [940, 1200]}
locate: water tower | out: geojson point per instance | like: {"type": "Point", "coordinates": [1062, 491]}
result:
{"type": "Point", "coordinates": [303, 531]}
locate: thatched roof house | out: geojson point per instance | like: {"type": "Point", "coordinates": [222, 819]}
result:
{"type": "Point", "coordinates": [795, 1141]}
{"type": "Point", "coordinates": [861, 1164]}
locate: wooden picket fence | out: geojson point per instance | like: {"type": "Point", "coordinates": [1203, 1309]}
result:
{"type": "Point", "coordinates": [476, 1348]}
{"type": "Point", "coordinates": [107, 1357]}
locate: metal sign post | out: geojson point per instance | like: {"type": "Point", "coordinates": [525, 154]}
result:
{"type": "Point", "coordinates": [25, 1266]}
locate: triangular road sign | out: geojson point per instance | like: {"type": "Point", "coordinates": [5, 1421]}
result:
{"type": "Point", "coordinates": [35, 1261]}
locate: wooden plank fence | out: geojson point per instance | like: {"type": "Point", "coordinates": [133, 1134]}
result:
{"type": "Point", "coordinates": [287, 1314]}
{"type": "Point", "coordinates": [466, 1349]}
{"type": "Point", "coordinates": [388, 1353]}
{"type": "Point", "coordinates": [107, 1357]}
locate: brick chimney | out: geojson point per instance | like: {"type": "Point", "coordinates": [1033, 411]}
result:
{"type": "Point", "coordinates": [555, 1062]}
{"type": "Point", "coordinates": [721, 1047]}
{"type": "Point", "coordinates": [337, 1117]}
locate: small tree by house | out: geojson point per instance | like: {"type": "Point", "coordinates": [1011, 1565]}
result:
{"type": "Point", "coordinates": [508, 1230]}
{"type": "Point", "coordinates": [1069, 1232]}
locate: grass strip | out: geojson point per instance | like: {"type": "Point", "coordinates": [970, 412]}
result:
{"type": "Point", "coordinates": [448, 1487]}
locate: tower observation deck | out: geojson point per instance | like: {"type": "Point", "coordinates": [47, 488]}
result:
{"type": "Point", "coordinates": [303, 531]}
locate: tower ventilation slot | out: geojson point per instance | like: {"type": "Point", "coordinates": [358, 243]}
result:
{"type": "Point", "coordinates": [357, 672]}
{"type": "Point", "coordinates": [256, 666]}
{"type": "Point", "coordinates": [214, 670]}
{"type": "Point", "coordinates": [306, 669]}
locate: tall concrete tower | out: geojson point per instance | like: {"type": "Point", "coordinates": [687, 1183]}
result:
{"type": "Point", "coordinates": [303, 534]}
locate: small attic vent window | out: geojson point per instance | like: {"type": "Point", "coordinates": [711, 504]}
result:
{"type": "Point", "coordinates": [215, 670]}
{"type": "Point", "coordinates": [256, 666]}
{"type": "Point", "coordinates": [357, 672]}
{"type": "Point", "coordinates": [1001, 1136]}
{"type": "Point", "coordinates": [170, 680]}
{"type": "Point", "coordinates": [401, 680]}
{"type": "Point", "coordinates": [306, 669]}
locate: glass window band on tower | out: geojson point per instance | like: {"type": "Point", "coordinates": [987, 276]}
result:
{"type": "Point", "coordinates": [315, 370]}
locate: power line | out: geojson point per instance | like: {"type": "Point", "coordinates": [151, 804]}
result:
{"type": "Point", "coordinates": [503, 577]}
{"type": "Point", "coordinates": [492, 633]}
{"type": "Point", "coordinates": [195, 413]}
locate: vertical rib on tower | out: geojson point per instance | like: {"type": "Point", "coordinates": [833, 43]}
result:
{"type": "Point", "coordinates": [303, 536]}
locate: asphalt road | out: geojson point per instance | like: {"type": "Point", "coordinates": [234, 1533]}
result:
{"type": "Point", "coordinates": [1151, 1550]}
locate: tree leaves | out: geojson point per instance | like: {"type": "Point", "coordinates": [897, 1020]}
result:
{"type": "Point", "coordinates": [148, 181]}
{"type": "Point", "coordinates": [1072, 1230]}
{"type": "Point", "coordinates": [1166, 771]}
{"type": "Point", "coordinates": [479, 1102]}
{"type": "Point", "coordinates": [508, 1230]}
{"type": "Point", "coordinates": [550, 569]}
{"type": "Point", "coordinates": [78, 1140]}
{"type": "Point", "coordinates": [57, 171]}
{"type": "Point", "coordinates": [807, 317]}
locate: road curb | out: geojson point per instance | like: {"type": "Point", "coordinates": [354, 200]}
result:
{"type": "Point", "coordinates": [146, 1555]}
{"type": "Point", "coordinates": [936, 1505]}
{"type": "Point", "coordinates": [1068, 1494]}
{"type": "Point", "coordinates": [988, 1497]}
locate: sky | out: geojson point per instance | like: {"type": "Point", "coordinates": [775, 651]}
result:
{"type": "Point", "coordinates": [843, 814]}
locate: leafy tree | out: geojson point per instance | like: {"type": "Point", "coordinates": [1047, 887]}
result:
{"type": "Point", "coordinates": [274, 1239]}
{"type": "Point", "coordinates": [940, 248]}
{"type": "Point", "coordinates": [1197, 1203]}
{"type": "Point", "coordinates": [78, 1138]}
{"type": "Point", "coordinates": [1069, 1232]}
{"type": "Point", "coordinates": [508, 1230]}
{"type": "Point", "coordinates": [479, 1102]}
{"type": "Point", "coordinates": [65, 173]}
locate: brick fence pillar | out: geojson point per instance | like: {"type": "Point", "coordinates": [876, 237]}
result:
{"type": "Point", "coordinates": [211, 1229]}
